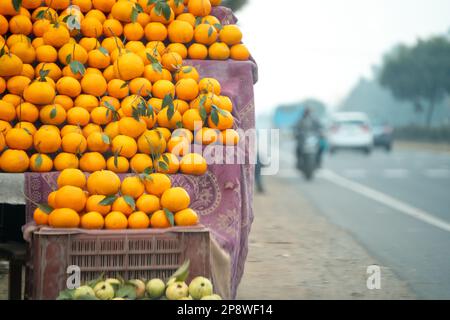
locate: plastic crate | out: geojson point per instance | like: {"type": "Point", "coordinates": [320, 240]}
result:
{"type": "Point", "coordinates": [131, 254]}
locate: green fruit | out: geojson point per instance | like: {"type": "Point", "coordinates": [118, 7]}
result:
{"type": "Point", "coordinates": [177, 291]}
{"type": "Point", "coordinates": [140, 288]}
{"type": "Point", "coordinates": [83, 291]}
{"type": "Point", "coordinates": [200, 287]}
{"type": "Point", "coordinates": [155, 288]}
{"type": "Point", "coordinates": [104, 291]}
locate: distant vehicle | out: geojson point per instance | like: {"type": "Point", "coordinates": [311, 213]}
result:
{"type": "Point", "coordinates": [383, 135]}
{"type": "Point", "coordinates": [350, 130]}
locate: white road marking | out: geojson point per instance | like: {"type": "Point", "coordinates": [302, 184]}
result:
{"type": "Point", "coordinates": [385, 200]}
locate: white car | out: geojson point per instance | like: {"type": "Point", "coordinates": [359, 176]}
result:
{"type": "Point", "coordinates": [350, 130]}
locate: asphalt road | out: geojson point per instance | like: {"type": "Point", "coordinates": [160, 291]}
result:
{"type": "Point", "coordinates": [397, 205]}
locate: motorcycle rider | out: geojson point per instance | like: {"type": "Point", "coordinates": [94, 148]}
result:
{"type": "Point", "coordinates": [307, 124]}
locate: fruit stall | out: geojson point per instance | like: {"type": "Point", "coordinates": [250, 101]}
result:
{"type": "Point", "coordinates": [116, 117]}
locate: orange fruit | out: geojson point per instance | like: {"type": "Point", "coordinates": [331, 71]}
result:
{"type": "Point", "coordinates": [41, 163]}
{"type": "Point", "coordinates": [93, 204]}
{"type": "Point", "coordinates": [69, 128]}
{"type": "Point", "coordinates": [39, 93]}
{"type": "Point", "coordinates": [86, 101]}
{"type": "Point", "coordinates": [199, 8]}
{"type": "Point", "coordinates": [192, 119]}
{"type": "Point", "coordinates": [161, 88]}
{"type": "Point", "coordinates": [97, 14]}
{"type": "Point", "coordinates": [157, 184]}
{"type": "Point", "coordinates": [7, 111]}
{"type": "Point", "coordinates": [133, 31]}
{"type": "Point", "coordinates": [165, 133]}
{"type": "Point", "coordinates": [224, 120]}
{"type": "Point", "coordinates": [128, 66]}
{"type": "Point", "coordinates": [74, 143]}
{"type": "Point", "coordinates": [54, 71]}
{"type": "Point", "coordinates": [229, 137]}
{"type": "Point", "coordinates": [92, 221]}
{"type": "Point", "coordinates": [219, 51]}
{"type": "Point", "coordinates": [129, 126]}
{"type": "Point", "coordinates": [112, 43]}
{"type": "Point", "coordinates": [4, 127]}
{"type": "Point", "coordinates": [124, 146]}
{"type": "Point", "coordinates": [27, 112]}
{"type": "Point", "coordinates": [78, 116]}
{"type": "Point", "coordinates": [3, 84]}
{"type": "Point", "coordinates": [97, 142]}
{"type": "Point", "coordinates": [140, 162]}
{"type": "Point", "coordinates": [25, 51]}
{"type": "Point", "coordinates": [158, 46]}
{"type": "Point", "coordinates": [210, 85]}
{"type": "Point", "coordinates": [212, 20]}
{"type": "Point", "coordinates": [28, 71]}
{"type": "Point", "coordinates": [138, 220]}
{"type": "Point", "coordinates": [94, 84]}
{"type": "Point", "coordinates": [240, 52]}
{"type": "Point", "coordinates": [116, 220]}
{"type": "Point", "coordinates": [10, 65]}
{"type": "Point", "coordinates": [151, 142]}
{"type": "Point", "coordinates": [18, 138]}
{"type": "Point", "coordinates": [122, 164]}
{"type": "Point", "coordinates": [47, 140]}
{"type": "Point", "coordinates": [103, 182]}
{"type": "Point", "coordinates": [68, 86]}
{"type": "Point", "coordinates": [3, 25]}
{"type": "Point", "coordinates": [165, 122]}
{"type": "Point", "coordinates": [118, 88]}
{"type": "Point", "coordinates": [57, 36]}
{"type": "Point", "coordinates": [112, 27]}
{"type": "Point", "coordinates": [121, 205]}
{"type": "Point", "coordinates": [230, 35]}
{"type": "Point", "coordinates": [205, 34]}
{"type": "Point", "coordinates": [188, 17]}
{"type": "Point", "coordinates": [103, 5]}
{"type": "Point", "coordinates": [180, 32]}
{"type": "Point", "coordinates": [15, 100]}
{"type": "Point", "coordinates": [159, 220]}
{"type": "Point", "coordinates": [206, 136]}
{"type": "Point", "coordinates": [187, 72]}
{"type": "Point", "coordinates": [92, 161]}
{"type": "Point", "coordinates": [152, 74]}
{"type": "Point", "coordinates": [101, 115]}
{"type": "Point", "coordinates": [167, 163]}
{"type": "Point", "coordinates": [28, 126]}
{"type": "Point", "coordinates": [172, 61]}
{"type": "Point", "coordinates": [178, 146]}
{"type": "Point", "coordinates": [181, 106]}
{"type": "Point", "coordinates": [132, 186]}
{"type": "Point", "coordinates": [51, 199]}
{"type": "Point", "coordinates": [148, 203]}
{"type": "Point", "coordinates": [40, 217]}
{"type": "Point", "coordinates": [186, 218]}
{"type": "Point", "coordinates": [175, 199]}
{"type": "Point", "coordinates": [186, 89]}
{"type": "Point", "coordinates": [155, 16]}
{"type": "Point", "coordinates": [134, 46]}
{"type": "Point", "coordinates": [122, 11]}
{"type": "Point", "coordinates": [64, 218]}
{"type": "Point", "coordinates": [143, 19]}
{"type": "Point", "coordinates": [112, 130]}
{"type": "Point", "coordinates": [89, 44]}
{"type": "Point", "coordinates": [193, 164]}
{"type": "Point", "coordinates": [84, 5]}
{"type": "Point", "coordinates": [225, 103]}
{"type": "Point", "coordinates": [14, 161]}
{"type": "Point", "coordinates": [57, 4]}
{"type": "Point", "coordinates": [185, 133]}
{"type": "Point", "coordinates": [52, 114]}
{"type": "Point", "coordinates": [72, 52]}
{"type": "Point", "coordinates": [20, 24]}
{"type": "Point", "coordinates": [98, 59]}
{"type": "Point", "coordinates": [70, 197]}
{"type": "Point", "coordinates": [71, 177]}
{"type": "Point", "coordinates": [141, 86]}
{"type": "Point", "coordinates": [91, 27]}
{"type": "Point", "coordinates": [65, 161]}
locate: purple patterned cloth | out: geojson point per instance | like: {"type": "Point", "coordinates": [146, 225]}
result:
{"type": "Point", "coordinates": [222, 197]}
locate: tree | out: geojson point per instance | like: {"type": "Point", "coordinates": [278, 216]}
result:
{"type": "Point", "coordinates": [419, 74]}
{"type": "Point", "coordinates": [235, 5]}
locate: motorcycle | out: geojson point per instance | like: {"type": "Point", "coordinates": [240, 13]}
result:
{"type": "Point", "coordinates": [308, 156]}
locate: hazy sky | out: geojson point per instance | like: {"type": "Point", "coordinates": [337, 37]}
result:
{"type": "Point", "coordinates": [320, 48]}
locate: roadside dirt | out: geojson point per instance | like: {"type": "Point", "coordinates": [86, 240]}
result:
{"type": "Point", "coordinates": [295, 253]}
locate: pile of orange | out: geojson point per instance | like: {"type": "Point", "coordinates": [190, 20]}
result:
{"type": "Point", "coordinates": [104, 87]}
{"type": "Point", "coordinates": [102, 201]}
